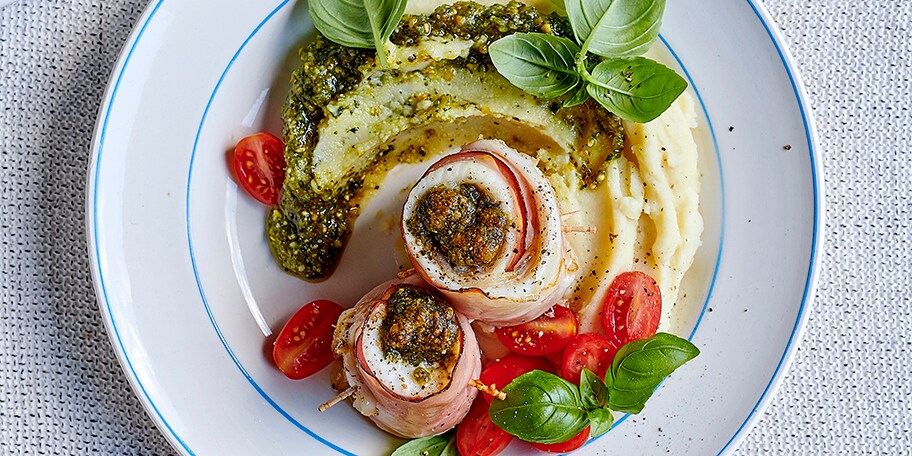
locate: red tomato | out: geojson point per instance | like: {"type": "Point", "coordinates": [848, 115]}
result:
{"type": "Point", "coordinates": [592, 351]}
{"type": "Point", "coordinates": [304, 346]}
{"type": "Point", "coordinates": [476, 435]}
{"type": "Point", "coordinates": [565, 447]}
{"type": "Point", "coordinates": [632, 309]}
{"type": "Point", "coordinates": [500, 373]}
{"type": "Point", "coordinates": [259, 163]}
{"type": "Point", "coordinates": [546, 334]}
{"type": "Point", "coordinates": [556, 359]}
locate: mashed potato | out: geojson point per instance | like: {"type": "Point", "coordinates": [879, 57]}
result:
{"type": "Point", "coordinates": [645, 213]}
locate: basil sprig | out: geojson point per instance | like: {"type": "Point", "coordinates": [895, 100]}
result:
{"type": "Point", "coordinates": [358, 23]}
{"type": "Point", "coordinates": [434, 445]}
{"type": "Point", "coordinates": [635, 88]}
{"type": "Point", "coordinates": [544, 408]}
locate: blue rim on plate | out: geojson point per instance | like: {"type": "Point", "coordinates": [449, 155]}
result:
{"type": "Point", "coordinates": [175, 439]}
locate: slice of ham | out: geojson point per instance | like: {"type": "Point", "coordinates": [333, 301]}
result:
{"type": "Point", "coordinates": [529, 275]}
{"type": "Point", "coordinates": [400, 407]}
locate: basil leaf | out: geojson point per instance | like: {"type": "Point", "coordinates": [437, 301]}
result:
{"type": "Point", "coordinates": [578, 96]}
{"type": "Point", "coordinates": [616, 28]}
{"type": "Point", "coordinates": [600, 422]}
{"type": "Point", "coordinates": [541, 408]}
{"type": "Point", "coordinates": [640, 366]}
{"type": "Point", "coordinates": [358, 23]}
{"type": "Point", "coordinates": [435, 445]}
{"type": "Point", "coordinates": [542, 65]}
{"type": "Point", "coordinates": [636, 89]}
{"type": "Point", "coordinates": [593, 392]}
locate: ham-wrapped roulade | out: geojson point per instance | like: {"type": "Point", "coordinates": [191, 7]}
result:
{"type": "Point", "coordinates": [483, 226]}
{"type": "Point", "coordinates": [409, 358]}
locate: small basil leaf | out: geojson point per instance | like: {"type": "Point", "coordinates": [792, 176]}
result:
{"type": "Point", "coordinates": [616, 28]}
{"type": "Point", "coordinates": [640, 366]}
{"type": "Point", "coordinates": [593, 391]}
{"type": "Point", "coordinates": [636, 89]}
{"type": "Point", "coordinates": [357, 23]}
{"type": "Point", "coordinates": [541, 408]}
{"type": "Point", "coordinates": [578, 96]}
{"type": "Point", "coordinates": [435, 445]}
{"type": "Point", "coordinates": [384, 16]}
{"type": "Point", "coordinates": [542, 65]}
{"type": "Point", "coordinates": [600, 421]}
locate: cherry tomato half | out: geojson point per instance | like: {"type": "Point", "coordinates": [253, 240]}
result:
{"type": "Point", "coordinates": [546, 334]}
{"type": "Point", "coordinates": [592, 351]}
{"type": "Point", "coordinates": [500, 373]}
{"type": "Point", "coordinates": [476, 435]}
{"type": "Point", "coordinates": [565, 447]}
{"type": "Point", "coordinates": [632, 308]}
{"type": "Point", "coordinates": [304, 346]}
{"type": "Point", "coordinates": [259, 163]}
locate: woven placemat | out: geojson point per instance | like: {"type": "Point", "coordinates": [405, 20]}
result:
{"type": "Point", "coordinates": [62, 391]}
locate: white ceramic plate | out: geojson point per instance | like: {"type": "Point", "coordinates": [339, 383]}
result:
{"type": "Point", "coordinates": [177, 250]}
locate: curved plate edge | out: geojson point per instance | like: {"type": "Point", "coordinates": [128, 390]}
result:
{"type": "Point", "coordinates": [817, 176]}
{"type": "Point", "coordinates": [92, 242]}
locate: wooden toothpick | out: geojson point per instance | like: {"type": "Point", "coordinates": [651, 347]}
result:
{"type": "Point", "coordinates": [339, 398]}
{"type": "Point", "coordinates": [492, 390]}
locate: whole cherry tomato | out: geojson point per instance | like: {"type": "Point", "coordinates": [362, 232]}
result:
{"type": "Point", "coordinates": [632, 308]}
{"type": "Point", "coordinates": [304, 345]}
{"type": "Point", "coordinates": [259, 163]}
{"type": "Point", "coordinates": [546, 334]}
{"type": "Point", "coordinates": [476, 435]}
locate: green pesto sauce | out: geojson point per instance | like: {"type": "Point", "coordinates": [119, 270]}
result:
{"type": "Point", "coordinates": [308, 230]}
{"type": "Point", "coordinates": [463, 224]}
{"type": "Point", "coordinates": [419, 328]}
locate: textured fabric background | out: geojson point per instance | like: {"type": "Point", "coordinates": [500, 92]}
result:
{"type": "Point", "coordinates": [848, 392]}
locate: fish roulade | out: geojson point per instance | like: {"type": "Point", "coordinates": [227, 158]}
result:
{"type": "Point", "coordinates": [409, 357]}
{"type": "Point", "coordinates": [483, 226]}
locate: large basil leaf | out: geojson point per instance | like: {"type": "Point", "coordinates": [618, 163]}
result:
{"type": "Point", "coordinates": [435, 445]}
{"type": "Point", "coordinates": [540, 407]}
{"type": "Point", "coordinates": [540, 64]}
{"type": "Point", "coordinates": [357, 23]}
{"type": "Point", "coordinates": [616, 28]}
{"type": "Point", "coordinates": [636, 89]}
{"type": "Point", "coordinates": [640, 366]}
